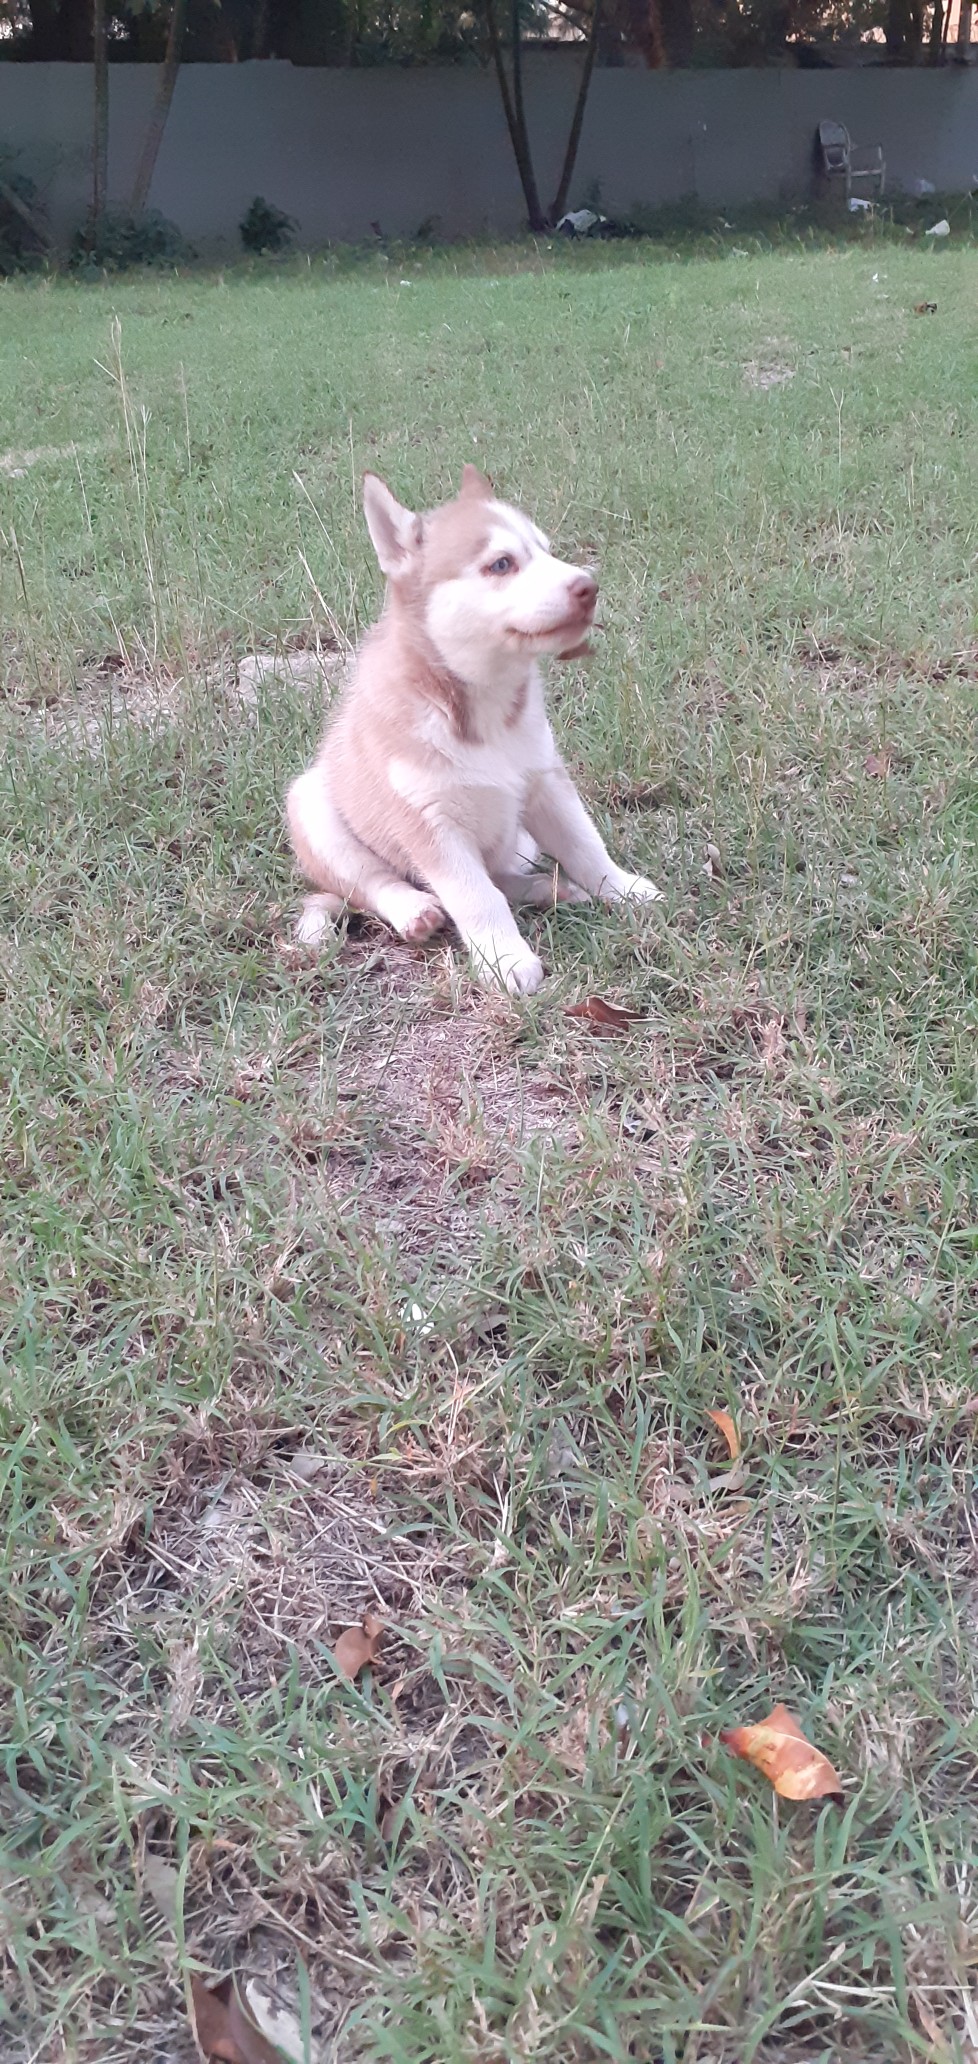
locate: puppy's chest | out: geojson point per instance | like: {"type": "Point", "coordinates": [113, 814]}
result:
{"type": "Point", "coordinates": [486, 778]}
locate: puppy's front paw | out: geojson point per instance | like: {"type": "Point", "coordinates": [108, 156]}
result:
{"type": "Point", "coordinates": [514, 967]}
{"type": "Point", "coordinates": [635, 888]}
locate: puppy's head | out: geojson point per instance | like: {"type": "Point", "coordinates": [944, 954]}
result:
{"type": "Point", "coordinates": [482, 574]}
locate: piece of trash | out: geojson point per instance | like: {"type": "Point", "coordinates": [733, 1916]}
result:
{"type": "Point", "coordinates": [858, 206]}
{"type": "Point", "coordinates": [736, 251]}
{"type": "Point", "coordinates": [922, 187]}
{"type": "Point", "coordinates": [925, 308]}
{"type": "Point", "coordinates": [579, 222]}
{"type": "Point", "coordinates": [941, 228]}
{"type": "Point", "coordinates": [418, 1318]}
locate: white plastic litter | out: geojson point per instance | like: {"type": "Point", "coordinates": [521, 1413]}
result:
{"type": "Point", "coordinates": [580, 222]}
{"type": "Point", "coordinates": [858, 206]}
{"type": "Point", "coordinates": [941, 228]}
{"type": "Point", "coordinates": [418, 1318]}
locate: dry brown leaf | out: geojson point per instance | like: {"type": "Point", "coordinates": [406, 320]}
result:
{"type": "Point", "coordinates": [778, 1749]}
{"type": "Point", "coordinates": [729, 1431]}
{"type": "Point", "coordinates": [358, 1646]}
{"type": "Point", "coordinates": [604, 1017]}
{"type": "Point", "coordinates": [878, 764]}
{"type": "Point", "coordinates": [223, 2031]}
{"type": "Point", "coordinates": [931, 2028]}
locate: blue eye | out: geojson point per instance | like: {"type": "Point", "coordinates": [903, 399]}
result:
{"type": "Point", "coordinates": [502, 565]}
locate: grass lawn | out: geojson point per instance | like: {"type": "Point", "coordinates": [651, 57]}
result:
{"type": "Point", "coordinates": [340, 1284]}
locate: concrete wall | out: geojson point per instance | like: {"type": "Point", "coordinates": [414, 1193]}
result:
{"type": "Point", "coordinates": [340, 150]}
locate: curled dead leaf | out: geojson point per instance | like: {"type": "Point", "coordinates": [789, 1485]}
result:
{"type": "Point", "coordinates": [878, 764]}
{"type": "Point", "coordinates": [729, 1431]}
{"type": "Point", "coordinates": [358, 1646]}
{"type": "Point", "coordinates": [779, 1750]}
{"type": "Point", "coordinates": [714, 862]}
{"type": "Point", "coordinates": [223, 2031]}
{"type": "Point", "coordinates": [604, 1017]}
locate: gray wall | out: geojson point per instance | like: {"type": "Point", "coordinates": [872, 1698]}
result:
{"type": "Point", "coordinates": [340, 150]}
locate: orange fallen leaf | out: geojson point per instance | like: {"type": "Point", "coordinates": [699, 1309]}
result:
{"type": "Point", "coordinates": [728, 1430]}
{"type": "Point", "coordinates": [878, 764]}
{"type": "Point", "coordinates": [607, 1017]}
{"type": "Point", "coordinates": [778, 1749]}
{"type": "Point", "coordinates": [358, 1646]}
{"type": "Point", "coordinates": [223, 2031]}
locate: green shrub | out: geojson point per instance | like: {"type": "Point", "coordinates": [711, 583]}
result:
{"type": "Point", "coordinates": [121, 242]}
{"type": "Point", "coordinates": [266, 228]}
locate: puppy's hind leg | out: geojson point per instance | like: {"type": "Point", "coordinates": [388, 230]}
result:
{"type": "Point", "coordinates": [346, 872]}
{"type": "Point", "coordinates": [318, 913]}
{"type": "Point", "coordinates": [544, 891]}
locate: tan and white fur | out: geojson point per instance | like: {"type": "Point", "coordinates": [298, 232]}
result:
{"type": "Point", "coordinates": [438, 782]}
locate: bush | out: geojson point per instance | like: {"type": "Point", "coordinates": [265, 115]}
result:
{"type": "Point", "coordinates": [266, 228]}
{"type": "Point", "coordinates": [122, 242]}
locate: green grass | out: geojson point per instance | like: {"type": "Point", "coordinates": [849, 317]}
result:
{"type": "Point", "coordinates": [231, 1171]}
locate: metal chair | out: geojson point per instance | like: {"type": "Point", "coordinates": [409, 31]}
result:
{"type": "Point", "coordinates": [841, 159]}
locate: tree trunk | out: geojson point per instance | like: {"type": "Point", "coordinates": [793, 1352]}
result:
{"type": "Point", "coordinates": [100, 135]}
{"type": "Point", "coordinates": [964, 33]}
{"type": "Point", "coordinates": [515, 123]}
{"type": "Point", "coordinates": [936, 42]}
{"type": "Point", "coordinates": [900, 31]}
{"type": "Point", "coordinates": [643, 27]}
{"type": "Point", "coordinates": [161, 108]}
{"type": "Point", "coordinates": [678, 31]}
{"type": "Point", "coordinates": [577, 122]}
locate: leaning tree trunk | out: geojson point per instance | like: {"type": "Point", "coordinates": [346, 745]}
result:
{"type": "Point", "coordinates": [161, 108]}
{"type": "Point", "coordinates": [100, 136]}
{"type": "Point", "coordinates": [515, 112]}
{"type": "Point", "coordinates": [577, 122]}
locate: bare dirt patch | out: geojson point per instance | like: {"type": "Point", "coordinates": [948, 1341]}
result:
{"type": "Point", "coordinates": [763, 375]}
{"type": "Point", "coordinates": [455, 1104]}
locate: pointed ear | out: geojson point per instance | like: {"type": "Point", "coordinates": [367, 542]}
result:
{"type": "Point", "coordinates": [475, 483]}
{"type": "Point", "coordinates": [395, 531]}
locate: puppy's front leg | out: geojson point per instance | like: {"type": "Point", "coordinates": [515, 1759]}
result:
{"type": "Point", "coordinates": [555, 816]}
{"type": "Point", "coordinates": [453, 868]}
